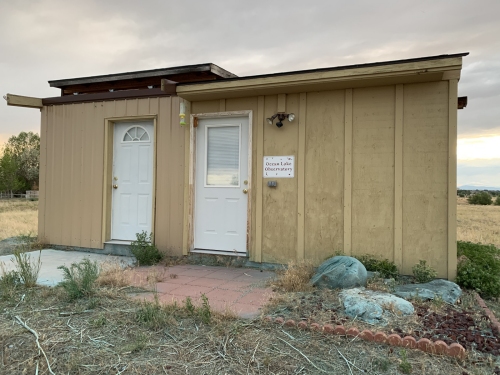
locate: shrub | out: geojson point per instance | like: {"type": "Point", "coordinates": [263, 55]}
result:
{"type": "Point", "coordinates": [80, 278]}
{"type": "Point", "coordinates": [479, 268]}
{"type": "Point", "coordinates": [497, 201]}
{"type": "Point", "coordinates": [144, 250]}
{"type": "Point", "coordinates": [481, 198]}
{"type": "Point", "coordinates": [27, 269]}
{"type": "Point", "coordinates": [9, 281]}
{"type": "Point", "coordinates": [423, 273]}
{"type": "Point", "coordinates": [296, 277]}
{"type": "Point", "coordinates": [384, 267]}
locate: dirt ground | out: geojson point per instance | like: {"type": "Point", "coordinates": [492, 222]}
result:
{"type": "Point", "coordinates": [107, 334]}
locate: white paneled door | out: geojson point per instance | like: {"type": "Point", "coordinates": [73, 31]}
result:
{"type": "Point", "coordinates": [132, 179]}
{"type": "Point", "coordinates": [221, 187]}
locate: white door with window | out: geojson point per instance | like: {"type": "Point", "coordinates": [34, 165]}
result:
{"type": "Point", "coordinates": [221, 184]}
{"type": "Point", "coordinates": [132, 179]}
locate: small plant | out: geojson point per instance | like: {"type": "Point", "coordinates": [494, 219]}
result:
{"type": "Point", "coordinates": [80, 278]}
{"type": "Point", "coordinates": [146, 253]}
{"type": "Point", "coordinates": [423, 273]}
{"type": "Point", "coordinates": [9, 281]}
{"type": "Point", "coordinates": [99, 322]}
{"type": "Point", "coordinates": [27, 269]}
{"type": "Point", "coordinates": [482, 198]}
{"type": "Point", "coordinates": [384, 267]}
{"type": "Point", "coordinates": [382, 364]}
{"type": "Point", "coordinates": [188, 305]}
{"type": "Point", "coordinates": [405, 366]}
{"type": "Point", "coordinates": [479, 268]}
{"type": "Point", "coordinates": [154, 315]}
{"type": "Point", "coordinates": [204, 312]}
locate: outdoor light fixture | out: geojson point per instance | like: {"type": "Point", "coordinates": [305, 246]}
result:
{"type": "Point", "coordinates": [281, 116]}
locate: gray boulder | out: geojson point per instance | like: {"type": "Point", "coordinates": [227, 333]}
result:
{"type": "Point", "coordinates": [447, 290]}
{"type": "Point", "coordinates": [373, 307]}
{"type": "Point", "coordinates": [340, 272]}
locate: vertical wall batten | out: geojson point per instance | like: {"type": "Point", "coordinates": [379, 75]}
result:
{"type": "Point", "coordinates": [185, 233]}
{"type": "Point", "coordinates": [222, 105]}
{"type": "Point", "coordinates": [42, 199]}
{"type": "Point", "coordinates": [301, 177]}
{"type": "Point", "coordinates": [348, 173]}
{"type": "Point", "coordinates": [452, 178]}
{"type": "Point", "coordinates": [398, 177]}
{"type": "Point", "coordinates": [260, 120]}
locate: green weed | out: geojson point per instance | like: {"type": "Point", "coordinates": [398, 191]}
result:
{"type": "Point", "coordinates": [405, 366]}
{"type": "Point", "coordinates": [27, 268]}
{"type": "Point", "coordinates": [80, 278]}
{"type": "Point", "coordinates": [144, 250]}
{"type": "Point", "coordinates": [423, 273]}
{"type": "Point", "coordinates": [479, 268]}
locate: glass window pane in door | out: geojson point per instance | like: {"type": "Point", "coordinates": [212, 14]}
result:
{"type": "Point", "coordinates": [223, 156]}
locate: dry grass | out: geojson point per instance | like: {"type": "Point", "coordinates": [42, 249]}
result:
{"type": "Point", "coordinates": [479, 224]}
{"type": "Point", "coordinates": [104, 335]}
{"type": "Point", "coordinates": [113, 275]}
{"type": "Point", "coordinates": [295, 278]}
{"type": "Point", "coordinates": [18, 217]}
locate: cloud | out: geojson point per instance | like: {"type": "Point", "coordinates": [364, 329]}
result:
{"type": "Point", "coordinates": [43, 40]}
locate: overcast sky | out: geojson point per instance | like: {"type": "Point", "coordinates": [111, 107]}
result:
{"type": "Point", "coordinates": [43, 40]}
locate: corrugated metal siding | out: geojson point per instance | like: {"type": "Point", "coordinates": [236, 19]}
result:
{"type": "Point", "coordinates": [72, 168]}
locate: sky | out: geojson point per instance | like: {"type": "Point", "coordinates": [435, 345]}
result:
{"type": "Point", "coordinates": [42, 40]}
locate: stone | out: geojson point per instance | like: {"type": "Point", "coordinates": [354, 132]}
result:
{"type": "Point", "coordinates": [394, 340]}
{"type": "Point", "coordinates": [373, 307]}
{"type": "Point", "coordinates": [340, 272]}
{"type": "Point", "coordinates": [315, 327]}
{"type": "Point", "coordinates": [353, 331]}
{"type": "Point", "coordinates": [339, 330]}
{"type": "Point", "coordinates": [367, 335]}
{"type": "Point", "coordinates": [302, 325]}
{"type": "Point", "coordinates": [409, 342]}
{"type": "Point", "coordinates": [380, 337]}
{"type": "Point", "coordinates": [447, 290]}
{"type": "Point", "coordinates": [328, 328]}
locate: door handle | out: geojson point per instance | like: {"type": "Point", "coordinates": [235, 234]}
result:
{"type": "Point", "coordinates": [245, 191]}
{"type": "Point", "coordinates": [115, 186]}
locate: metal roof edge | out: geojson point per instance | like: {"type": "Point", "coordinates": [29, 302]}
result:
{"type": "Point", "coordinates": [217, 70]}
{"type": "Point", "coordinates": [344, 67]}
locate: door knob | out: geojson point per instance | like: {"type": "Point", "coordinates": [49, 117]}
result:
{"type": "Point", "coordinates": [115, 186]}
{"type": "Point", "coordinates": [245, 191]}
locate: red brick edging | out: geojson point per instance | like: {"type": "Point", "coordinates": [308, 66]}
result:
{"type": "Point", "coordinates": [433, 347]}
{"type": "Point", "coordinates": [495, 325]}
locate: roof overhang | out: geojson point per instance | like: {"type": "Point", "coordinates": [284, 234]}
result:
{"type": "Point", "coordinates": [426, 69]}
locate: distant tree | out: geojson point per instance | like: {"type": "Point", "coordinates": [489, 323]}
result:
{"type": "Point", "coordinates": [9, 180]}
{"type": "Point", "coordinates": [25, 150]}
{"type": "Point", "coordinates": [497, 201]}
{"type": "Point", "coordinates": [481, 198]}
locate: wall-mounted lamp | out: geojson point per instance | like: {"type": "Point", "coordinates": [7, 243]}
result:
{"type": "Point", "coordinates": [281, 116]}
{"type": "Point", "coordinates": [182, 114]}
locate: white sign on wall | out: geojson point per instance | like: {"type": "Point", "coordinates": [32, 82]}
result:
{"type": "Point", "coordinates": [279, 166]}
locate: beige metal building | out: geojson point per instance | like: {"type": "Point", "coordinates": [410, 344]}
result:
{"type": "Point", "coordinates": [359, 159]}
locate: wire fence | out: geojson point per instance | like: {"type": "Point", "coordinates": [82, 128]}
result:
{"type": "Point", "coordinates": [30, 194]}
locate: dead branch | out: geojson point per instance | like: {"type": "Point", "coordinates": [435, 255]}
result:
{"type": "Point", "coordinates": [303, 355]}
{"type": "Point", "coordinates": [37, 342]}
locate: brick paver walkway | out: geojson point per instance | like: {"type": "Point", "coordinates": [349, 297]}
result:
{"type": "Point", "coordinates": [241, 290]}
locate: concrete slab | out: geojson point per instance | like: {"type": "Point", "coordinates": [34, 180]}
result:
{"type": "Point", "coordinates": [240, 290]}
{"type": "Point", "coordinates": [51, 259]}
